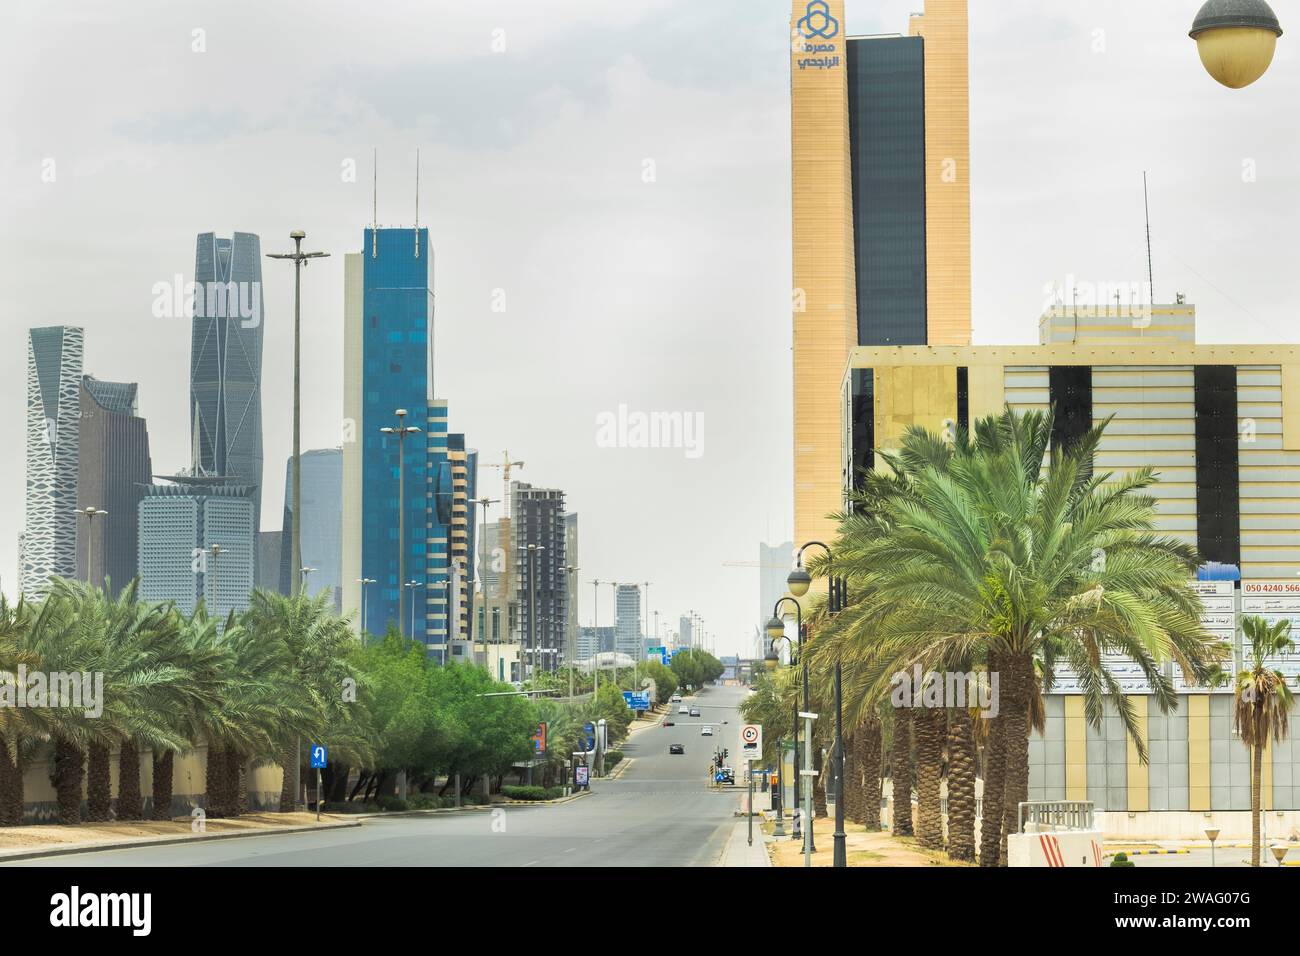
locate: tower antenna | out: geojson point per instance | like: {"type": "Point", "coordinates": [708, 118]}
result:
{"type": "Point", "coordinates": [374, 220]}
{"type": "Point", "coordinates": [1146, 204]}
{"type": "Point", "coordinates": [417, 202]}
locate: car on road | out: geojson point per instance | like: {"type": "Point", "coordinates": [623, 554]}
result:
{"type": "Point", "coordinates": [676, 749]}
{"type": "Point", "coordinates": [706, 731]}
{"type": "Point", "coordinates": [683, 710]}
{"type": "Point", "coordinates": [668, 722]}
{"type": "Point", "coordinates": [695, 711]}
{"type": "Point", "coordinates": [675, 699]}
{"type": "Point", "coordinates": [727, 775]}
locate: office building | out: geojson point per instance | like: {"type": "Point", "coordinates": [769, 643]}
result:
{"type": "Point", "coordinates": [270, 574]}
{"type": "Point", "coordinates": [226, 361]}
{"type": "Point", "coordinates": [627, 620]}
{"type": "Point", "coordinates": [53, 436]}
{"type": "Point", "coordinates": [881, 216]}
{"type": "Point", "coordinates": [1221, 426]}
{"type": "Point", "coordinates": [113, 468]}
{"type": "Point", "coordinates": [320, 528]}
{"type": "Point", "coordinates": [595, 640]}
{"type": "Point", "coordinates": [387, 318]}
{"type": "Point", "coordinates": [774, 564]}
{"type": "Point", "coordinates": [685, 631]}
{"type": "Point", "coordinates": [197, 542]}
{"type": "Point", "coordinates": [542, 583]}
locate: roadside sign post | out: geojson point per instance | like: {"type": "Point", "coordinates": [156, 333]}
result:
{"type": "Point", "coordinates": [751, 751]}
{"type": "Point", "coordinates": [318, 760]}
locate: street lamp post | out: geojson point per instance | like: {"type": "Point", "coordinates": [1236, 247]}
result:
{"type": "Point", "coordinates": [91, 513]}
{"type": "Point", "coordinates": [299, 259]}
{"type": "Point", "coordinates": [401, 430]}
{"type": "Point", "coordinates": [776, 631]}
{"type": "Point", "coordinates": [306, 575]}
{"type": "Point", "coordinates": [364, 582]}
{"type": "Point", "coordinates": [570, 648]}
{"type": "Point", "coordinates": [532, 611]}
{"type": "Point", "coordinates": [798, 582]}
{"type": "Point", "coordinates": [413, 584]}
{"type": "Point", "coordinates": [215, 551]}
{"type": "Point", "coordinates": [485, 503]}
{"type": "Point", "coordinates": [1236, 40]}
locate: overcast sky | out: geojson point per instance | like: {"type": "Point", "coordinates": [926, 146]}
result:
{"type": "Point", "coordinates": [620, 171]}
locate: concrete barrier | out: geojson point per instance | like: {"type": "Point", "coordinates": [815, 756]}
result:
{"type": "Point", "coordinates": [1055, 848]}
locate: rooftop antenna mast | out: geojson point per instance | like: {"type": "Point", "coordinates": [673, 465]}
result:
{"type": "Point", "coordinates": [1146, 203]}
{"type": "Point", "coordinates": [417, 202]}
{"type": "Point", "coordinates": [374, 219]}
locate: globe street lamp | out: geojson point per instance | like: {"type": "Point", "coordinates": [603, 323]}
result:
{"type": "Point", "coordinates": [776, 631]}
{"type": "Point", "coordinates": [1236, 40]}
{"type": "Point", "coordinates": [798, 583]}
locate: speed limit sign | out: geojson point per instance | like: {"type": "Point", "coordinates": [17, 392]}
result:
{"type": "Point", "coordinates": [751, 741]}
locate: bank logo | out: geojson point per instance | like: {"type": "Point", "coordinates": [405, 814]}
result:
{"type": "Point", "coordinates": [817, 22]}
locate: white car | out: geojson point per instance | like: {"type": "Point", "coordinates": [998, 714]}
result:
{"type": "Point", "coordinates": [706, 731]}
{"type": "Point", "coordinates": [684, 710]}
{"type": "Point", "coordinates": [675, 699]}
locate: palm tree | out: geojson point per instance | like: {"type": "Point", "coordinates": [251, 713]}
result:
{"type": "Point", "coordinates": [1262, 705]}
{"type": "Point", "coordinates": [14, 723]}
{"type": "Point", "coordinates": [987, 548]}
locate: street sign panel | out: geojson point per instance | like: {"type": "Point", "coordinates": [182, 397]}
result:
{"type": "Point", "coordinates": [751, 742]}
{"type": "Point", "coordinates": [319, 756]}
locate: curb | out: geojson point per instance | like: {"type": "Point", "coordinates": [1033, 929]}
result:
{"type": "Point", "coordinates": [71, 848]}
{"type": "Point", "coordinates": [621, 768]}
{"type": "Point", "coordinates": [1146, 852]}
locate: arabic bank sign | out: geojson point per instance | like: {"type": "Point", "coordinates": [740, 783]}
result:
{"type": "Point", "coordinates": [813, 41]}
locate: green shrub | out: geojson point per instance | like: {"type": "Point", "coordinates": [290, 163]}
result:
{"type": "Point", "coordinates": [392, 804]}
{"type": "Point", "coordinates": [424, 801]}
{"type": "Point", "coordinates": [344, 806]}
{"type": "Point", "coordinates": [612, 757]}
{"type": "Point", "coordinates": [525, 793]}
{"type": "Point", "coordinates": [1121, 859]}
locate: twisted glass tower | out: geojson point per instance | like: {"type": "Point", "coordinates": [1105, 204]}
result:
{"type": "Point", "coordinates": [226, 361]}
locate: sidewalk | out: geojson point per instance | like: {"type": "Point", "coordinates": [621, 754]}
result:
{"type": "Point", "coordinates": [29, 842]}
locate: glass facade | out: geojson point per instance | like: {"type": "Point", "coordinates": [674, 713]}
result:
{"type": "Point", "coordinates": [226, 361]}
{"type": "Point", "coordinates": [397, 315]}
{"type": "Point", "coordinates": [320, 528]}
{"type": "Point", "coordinates": [886, 81]}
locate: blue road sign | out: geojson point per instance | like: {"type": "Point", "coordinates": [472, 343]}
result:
{"type": "Point", "coordinates": [319, 759]}
{"type": "Point", "coordinates": [588, 737]}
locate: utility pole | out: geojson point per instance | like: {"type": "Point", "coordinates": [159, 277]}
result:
{"type": "Point", "coordinates": [299, 259]}
{"type": "Point", "coordinates": [484, 503]}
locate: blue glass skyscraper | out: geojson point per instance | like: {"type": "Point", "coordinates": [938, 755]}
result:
{"type": "Point", "coordinates": [388, 316]}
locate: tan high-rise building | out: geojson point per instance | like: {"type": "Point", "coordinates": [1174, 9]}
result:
{"type": "Point", "coordinates": [881, 214]}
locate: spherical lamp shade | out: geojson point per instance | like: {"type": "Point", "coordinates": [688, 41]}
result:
{"type": "Point", "coordinates": [775, 628]}
{"type": "Point", "coordinates": [798, 582]}
{"type": "Point", "coordinates": [1236, 40]}
{"type": "Point", "coordinates": [770, 660]}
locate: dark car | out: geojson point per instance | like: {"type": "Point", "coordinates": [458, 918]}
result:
{"type": "Point", "coordinates": [676, 749]}
{"type": "Point", "coordinates": [668, 722]}
{"type": "Point", "coordinates": [695, 712]}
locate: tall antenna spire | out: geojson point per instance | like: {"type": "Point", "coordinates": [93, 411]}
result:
{"type": "Point", "coordinates": [374, 220]}
{"type": "Point", "coordinates": [1151, 282]}
{"type": "Point", "coordinates": [417, 202]}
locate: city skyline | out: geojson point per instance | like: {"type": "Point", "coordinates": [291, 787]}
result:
{"type": "Point", "coordinates": [143, 145]}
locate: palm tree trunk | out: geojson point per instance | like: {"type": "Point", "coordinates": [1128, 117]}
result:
{"type": "Point", "coordinates": [288, 758]}
{"type": "Point", "coordinates": [128, 782]}
{"type": "Point", "coordinates": [1256, 779]}
{"type": "Point", "coordinates": [11, 787]}
{"type": "Point", "coordinates": [870, 752]}
{"type": "Point", "coordinates": [99, 785]}
{"type": "Point", "coordinates": [1017, 679]}
{"type": "Point", "coordinates": [215, 802]}
{"type": "Point", "coordinates": [900, 771]}
{"type": "Point", "coordinates": [961, 786]}
{"type": "Point", "coordinates": [163, 767]}
{"type": "Point", "coordinates": [994, 781]}
{"type": "Point", "coordinates": [69, 770]}
{"type": "Point", "coordinates": [930, 728]}
{"type": "Point", "coordinates": [852, 779]}
{"type": "Point", "coordinates": [238, 781]}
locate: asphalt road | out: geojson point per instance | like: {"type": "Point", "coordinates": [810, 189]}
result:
{"type": "Point", "coordinates": [660, 812]}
